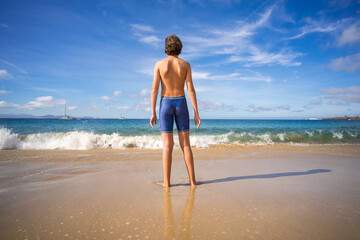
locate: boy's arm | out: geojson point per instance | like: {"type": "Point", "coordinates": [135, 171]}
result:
{"type": "Point", "coordinates": [192, 95]}
{"type": "Point", "coordinates": [154, 93]}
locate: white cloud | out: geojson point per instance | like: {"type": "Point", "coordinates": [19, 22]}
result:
{"type": "Point", "coordinates": [4, 104]}
{"type": "Point", "coordinates": [313, 26]}
{"type": "Point", "coordinates": [144, 105]}
{"type": "Point", "coordinates": [315, 102]}
{"type": "Point", "coordinates": [124, 108]}
{"type": "Point", "coordinates": [147, 71]}
{"type": "Point", "coordinates": [72, 107]}
{"type": "Point", "coordinates": [237, 42]}
{"type": "Point", "coordinates": [106, 98]}
{"type": "Point", "coordinates": [45, 89]}
{"type": "Point", "coordinates": [350, 63]}
{"type": "Point", "coordinates": [334, 102]}
{"type": "Point", "coordinates": [220, 41]}
{"type": "Point", "coordinates": [348, 95]}
{"type": "Point", "coordinates": [350, 35]}
{"type": "Point", "coordinates": [350, 98]}
{"type": "Point", "coordinates": [39, 102]}
{"type": "Point", "coordinates": [232, 77]}
{"type": "Point", "coordinates": [44, 99]}
{"type": "Point", "coordinates": [152, 40]}
{"type": "Point", "coordinates": [117, 93]}
{"type": "Point", "coordinates": [3, 73]}
{"type": "Point", "coordinates": [145, 34]}
{"type": "Point", "coordinates": [42, 102]}
{"type": "Point", "coordinates": [14, 66]}
{"type": "Point", "coordinates": [143, 28]}
{"type": "Point", "coordinates": [203, 88]}
{"type": "Point", "coordinates": [145, 92]}
{"type": "Point", "coordinates": [253, 108]}
{"type": "Point", "coordinates": [208, 106]}
{"type": "Point", "coordinates": [4, 91]}
{"type": "Point", "coordinates": [3, 25]}
{"type": "Point", "coordinates": [258, 58]}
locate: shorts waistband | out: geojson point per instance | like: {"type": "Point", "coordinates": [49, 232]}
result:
{"type": "Point", "coordinates": [163, 97]}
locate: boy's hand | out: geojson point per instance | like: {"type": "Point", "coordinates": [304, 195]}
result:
{"type": "Point", "coordinates": [152, 120]}
{"type": "Point", "coordinates": [197, 120]}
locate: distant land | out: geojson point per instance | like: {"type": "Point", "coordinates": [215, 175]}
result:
{"type": "Point", "coordinates": [33, 116]}
{"type": "Point", "coordinates": [343, 118]}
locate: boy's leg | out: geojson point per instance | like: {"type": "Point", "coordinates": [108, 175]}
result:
{"type": "Point", "coordinates": [168, 143]}
{"type": "Point", "coordinates": [184, 141]}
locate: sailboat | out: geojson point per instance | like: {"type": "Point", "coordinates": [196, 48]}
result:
{"type": "Point", "coordinates": [66, 117]}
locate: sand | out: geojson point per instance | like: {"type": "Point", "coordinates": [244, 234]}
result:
{"type": "Point", "coordinates": [246, 192]}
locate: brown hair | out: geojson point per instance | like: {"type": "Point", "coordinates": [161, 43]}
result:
{"type": "Point", "coordinates": [173, 45]}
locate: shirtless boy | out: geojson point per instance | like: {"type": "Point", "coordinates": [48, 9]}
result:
{"type": "Point", "coordinates": [173, 73]}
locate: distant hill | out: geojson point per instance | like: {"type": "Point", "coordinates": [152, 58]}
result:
{"type": "Point", "coordinates": [343, 118]}
{"type": "Point", "coordinates": [26, 116]}
{"type": "Point", "coordinates": [33, 116]}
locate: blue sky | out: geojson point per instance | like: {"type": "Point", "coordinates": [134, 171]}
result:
{"type": "Point", "coordinates": [250, 59]}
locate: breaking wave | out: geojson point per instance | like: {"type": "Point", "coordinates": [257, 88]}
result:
{"type": "Point", "coordinates": [88, 140]}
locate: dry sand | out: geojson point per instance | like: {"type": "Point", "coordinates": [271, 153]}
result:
{"type": "Point", "coordinates": [246, 192]}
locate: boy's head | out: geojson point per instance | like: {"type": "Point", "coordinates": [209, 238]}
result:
{"type": "Point", "coordinates": [173, 45]}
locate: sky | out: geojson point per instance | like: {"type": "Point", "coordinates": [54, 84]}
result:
{"type": "Point", "coordinates": [249, 59]}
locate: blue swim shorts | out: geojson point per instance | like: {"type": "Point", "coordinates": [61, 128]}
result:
{"type": "Point", "coordinates": [174, 108]}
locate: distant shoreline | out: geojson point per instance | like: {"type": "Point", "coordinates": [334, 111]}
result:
{"type": "Point", "coordinates": [342, 118]}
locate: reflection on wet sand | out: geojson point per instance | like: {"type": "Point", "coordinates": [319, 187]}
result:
{"type": "Point", "coordinates": [170, 231]}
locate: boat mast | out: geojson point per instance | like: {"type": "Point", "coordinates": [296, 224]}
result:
{"type": "Point", "coordinates": [65, 108]}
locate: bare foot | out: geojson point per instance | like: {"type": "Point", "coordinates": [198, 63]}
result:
{"type": "Point", "coordinates": [161, 184]}
{"type": "Point", "coordinates": [194, 183]}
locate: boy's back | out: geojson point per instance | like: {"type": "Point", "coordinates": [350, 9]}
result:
{"type": "Point", "coordinates": [172, 72]}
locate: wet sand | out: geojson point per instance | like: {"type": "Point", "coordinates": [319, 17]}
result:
{"type": "Point", "coordinates": [246, 192]}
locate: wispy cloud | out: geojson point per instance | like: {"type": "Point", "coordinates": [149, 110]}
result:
{"type": "Point", "coordinates": [349, 64]}
{"type": "Point", "coordinates": [145, 34]}
{"type": "Point", "coordinates": [117, 93]}
{"type": "Point", "coordinates": [350, 35]}
{"type": "Point", "coordinates": [347, 95]}
{"type": "Point", "coordinates": [42, 102]}
{"type": "Point", "coordinates": [142, 28]}
{"type": "Point", "coordinates": [3, 73]}
{"type": "Point", "coordinates": [4, 104]}
{"type": "Point", "coordinates": [316, 26]}
{"type": "Point", "coordinates": [73, 107]}
{"type": "Point", "coordinates": [257, 57]}
{"type": "Point", "coordinates": [152, 40]}
{"type": "Point", "coordinates": [46, 89]}
{"type": "Point", "coordinates": [106, 98]}
{"type": "Point", "coordinates": [315, 102]}
{"type": "Point", "coordinates": [220, 41]}
{"type": "Point", "coordinates": [123, 108]}
{"type": "Point", "coordinates": [3, 25]}
{"type": "Point", "coordinates": [238, 43]}
{"type": "Point", "coordinates": [14, 66]}
{"type": "Point", "coordinates": [232, 77]}
{"type": "Point", "coordinates": [4, 91]}
{"type": "Point", "coordinates": [39, 102]}
{"type": "Point", "coordinates": [253, 108]}
{"type": "Point", "coordinates": [209, 106]}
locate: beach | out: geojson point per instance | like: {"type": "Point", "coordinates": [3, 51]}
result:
{"type": "Point", "coordinates": [245, 192]}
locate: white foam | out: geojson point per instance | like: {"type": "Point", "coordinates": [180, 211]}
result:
{"type": "Point", "coordinates": [337, 135]}
{"type": "Point", "coordinates": [81, 140]}
{"type": "Point", "coordinates": [8, 140]}
{"type": "Point", "coordinates": [281, 136]}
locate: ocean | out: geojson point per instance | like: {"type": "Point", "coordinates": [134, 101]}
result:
{"type": "Point", "coordinates": [137, 133]}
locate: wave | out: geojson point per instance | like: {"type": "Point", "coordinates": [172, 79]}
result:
{"type": "Point", "coordinates": [82, 140]}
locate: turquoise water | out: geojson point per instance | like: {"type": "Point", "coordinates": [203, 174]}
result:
{"type": "Point", "coordinates": [114, 133]}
